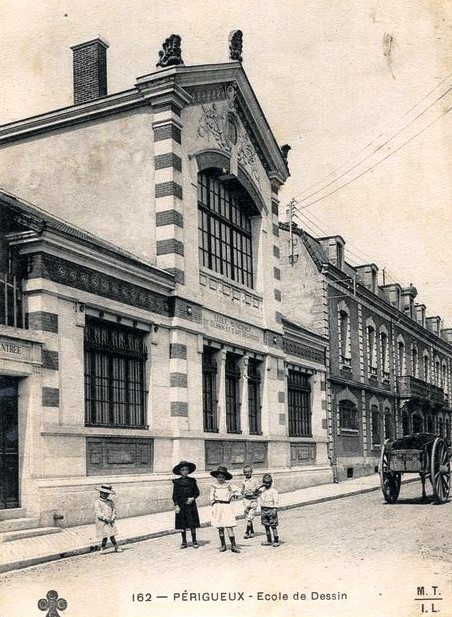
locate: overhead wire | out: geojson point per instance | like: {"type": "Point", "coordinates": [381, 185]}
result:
{"type": "Point", "coordinates": [303, 206]}
{"type": "Point", "coordinates": [374, 141]}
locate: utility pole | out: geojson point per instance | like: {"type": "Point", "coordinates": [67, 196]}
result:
{"type": "Point", "coordinates": [384, 276]}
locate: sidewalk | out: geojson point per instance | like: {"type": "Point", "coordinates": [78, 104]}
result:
{"type": "Point", "coordinates": [73, 541]}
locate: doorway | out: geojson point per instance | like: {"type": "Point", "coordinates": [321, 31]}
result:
{"type": "Point", "coordinates": [9, 444]}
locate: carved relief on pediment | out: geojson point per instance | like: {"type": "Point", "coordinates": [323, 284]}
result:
{"type": "Point", "coordinates": [220, 122]}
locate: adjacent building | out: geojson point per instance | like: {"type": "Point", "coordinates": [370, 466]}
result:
{"type": "Point", "coordinates": [389, 363]}
{"type": "Point", "coordinates": [141, 314]}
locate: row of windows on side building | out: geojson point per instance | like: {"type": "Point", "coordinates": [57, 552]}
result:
{"type": "Point", "coordinates": [373, 359]}
{"type": "Point", "coordinates": [115, 384]}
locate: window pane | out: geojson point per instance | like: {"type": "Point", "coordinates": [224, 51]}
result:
{"type": "Point", "coordinates": [114, 375]}
{"type": "Point", "coordinates": [224, 230]}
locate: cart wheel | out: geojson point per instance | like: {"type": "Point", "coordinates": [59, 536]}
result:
{"type": "Point", "coordinates": [440, 470]}
{"type": "Point", "coordinates": [389, 480]}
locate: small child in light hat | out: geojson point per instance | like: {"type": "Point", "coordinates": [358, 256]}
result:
{"type": "Point", "coordinates": [105, 517]}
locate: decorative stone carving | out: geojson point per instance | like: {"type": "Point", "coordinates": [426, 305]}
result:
{"type": "Point", "coordinates": [220, 121]}
{"type": "Point", "coordinates": [236, 45]}
{"type": "Point", "coordinates": [214, 119]}
{"type": "Point", "coordinates": [247, 156]}
{"type": "Point", "coordinates": [171, 52]}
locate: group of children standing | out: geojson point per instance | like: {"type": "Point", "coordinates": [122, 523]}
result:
{"type": "Point", "coordinates": [222, 494]}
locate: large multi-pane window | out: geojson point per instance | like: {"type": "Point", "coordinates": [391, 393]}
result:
{"type": "Point", "coordinates": [224, 223]}
{"type": "Point", "coordinates": [254, 397]}
{"type": "Point", "coordinates": [232, 383]}
{"type": "Point", "coordinates": [209, 390]}
{"type": "Point", "coordinates": [115, 359]}
{"type": "Point", "coordinates": [299, 394]}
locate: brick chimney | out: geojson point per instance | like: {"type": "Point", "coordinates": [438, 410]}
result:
{"type": "Point", "coordinates": [90, 70]}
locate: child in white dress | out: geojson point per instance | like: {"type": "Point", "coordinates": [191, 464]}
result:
{"type": "Point", "coordinates": [223, 517]}
{"type": "Point", "coordinates": [106, 514]}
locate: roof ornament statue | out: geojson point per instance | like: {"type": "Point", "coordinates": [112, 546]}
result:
{"type": "Point", "coordinates": [171, 52]}
{"type": "Point", "coordinates": [285, 152]}
{"type": "Point", "coordinates": [236, 45]}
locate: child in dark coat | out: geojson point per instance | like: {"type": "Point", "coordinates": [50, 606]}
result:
{"type": "Point", "coordinates": [185, 492]}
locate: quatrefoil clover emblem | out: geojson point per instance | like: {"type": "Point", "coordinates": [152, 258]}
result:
{"type": "Point", "coordinates": [52, 604]}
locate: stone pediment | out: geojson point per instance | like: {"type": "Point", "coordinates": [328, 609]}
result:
{"type": "Point", "coordinates": [221, 123]}
{"type": "Point", "coordinates": [223, 91]}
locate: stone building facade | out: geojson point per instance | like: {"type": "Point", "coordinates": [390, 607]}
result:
{"type": "Point", "coordinates": [141, 258]}
{"type": "Point", "coordinates": [389, 365]}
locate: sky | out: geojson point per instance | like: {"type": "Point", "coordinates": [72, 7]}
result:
{"type": "Point", "coordinates": [337, 79]}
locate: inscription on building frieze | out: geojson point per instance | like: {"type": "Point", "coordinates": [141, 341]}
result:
{"type": "Point", "coordinates": [227, 326]}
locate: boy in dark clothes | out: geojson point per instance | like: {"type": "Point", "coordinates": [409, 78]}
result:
{"type": "Point", "coordinates": [185, 491]}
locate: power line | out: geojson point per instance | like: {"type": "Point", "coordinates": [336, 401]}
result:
{"type": "Point", "coordinates": [377, 163]}
{"type": "Point", "coordinates": [375, 140]}
{"type": "Point", "coordinates": [375, 150]}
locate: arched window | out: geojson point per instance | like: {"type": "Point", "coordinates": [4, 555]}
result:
{"type": "Point", "coordinates": [414, 361]}
{"type": "Point", "coordinates": [375, 420]}
{"type": "Point", "coordinates": [444, 377]}
{"type": "Point", "coordinates": [401, 357]}
{"type": "Point", "coordinates": [224, 223]}
{"type": "Point", "coordinates": [384, 354]}
{"type": "Point", "coordinates": [426, 366]}
{"type": "Point", "coordinates": [348, 416]}
{"type": "Point", "coordinates": [437, 373]}
{"type": "Point", "coordinates": [344, 334]}
{"type": "Point", "coordinates": [371, 356]}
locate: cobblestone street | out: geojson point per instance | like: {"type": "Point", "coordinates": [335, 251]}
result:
{"type": "Point", "coordinates": [376, 554]}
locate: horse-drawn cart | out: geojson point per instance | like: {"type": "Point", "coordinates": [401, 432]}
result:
{"type": "Point", "coordinates": [422, 453]}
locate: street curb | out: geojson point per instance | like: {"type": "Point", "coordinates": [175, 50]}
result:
{"type": "Point", "coordinates": [20, 564]}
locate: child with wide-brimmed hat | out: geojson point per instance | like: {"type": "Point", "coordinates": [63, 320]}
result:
{"type": "Point", "coordinates": [221, 494]}
{"type": "Point", "coordinates": [185, 492]}
{"type": "Point", "coordinates": [106, 515]}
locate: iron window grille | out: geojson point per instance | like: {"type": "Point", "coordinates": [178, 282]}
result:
{"type": "Point", "coordinates": [209, 390]}
{"type": "Point", "coordinates": [254, 397]}
{"type": "Point", "coordinates": [224, 224]}
{"type": "Point", "coordinates": [299, 395]}
{"type": "Point", "coordinates": [232, 379]}
{"type": "Point", "coordinates": [115, 358]}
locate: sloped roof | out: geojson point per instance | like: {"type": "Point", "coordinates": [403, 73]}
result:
{"type": "Point", "coordinates": [40, 220]}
